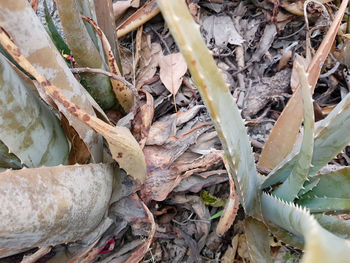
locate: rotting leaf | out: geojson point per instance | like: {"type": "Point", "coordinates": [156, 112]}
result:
{"type": "Point", "coordinates": [211, 200]}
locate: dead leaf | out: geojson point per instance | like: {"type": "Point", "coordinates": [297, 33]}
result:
{"type": "Point", "coordinates": [230, 254]}
{"type": "Point", "coordinates": [120, 7]}
{"type": "Point", "coordinates": [142, 15]}
{"type": "Point", "coordinates": [142, 121]}
{"type": "Point", "coordinates": [222, 30]}
{"type": "Point", "coordinates": [172, 69]}
{"type": "Point", "coordinates": [231, 207]}
{"type": "Point", "coordinates": [149, 60]}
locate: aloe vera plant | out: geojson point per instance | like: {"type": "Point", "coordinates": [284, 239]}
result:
{"type": "Point", "coordinates": [48, 123]}
{"type": "Point", "coordinates": [286, 211]}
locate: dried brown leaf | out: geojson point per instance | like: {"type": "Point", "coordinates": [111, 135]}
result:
{"type": "Point", "coordinates": [172, 69]}
{"type": "Point", "coordinates": [142, 15]}
{"type": "Point", "coordinates": [142, 121]}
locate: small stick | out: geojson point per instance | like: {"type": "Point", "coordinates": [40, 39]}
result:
{"type": "Point", "coordinates": [111, 75]}
{"type": "Point", "coordinates": [37, 255]}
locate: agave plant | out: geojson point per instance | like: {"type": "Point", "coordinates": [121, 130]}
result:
{"type": "Point", "coordinates": [282, 202]}
{"type": "Point", "coordinates": [58, 189]}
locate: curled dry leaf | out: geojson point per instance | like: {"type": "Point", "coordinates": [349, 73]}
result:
{"type": "Point", "coordinates": [231, 208]}
{"type": "Point", "coordinates": [142, 15]}
{"type": "Point", "coordinates": [123, 146]}
{"type": "Point", "coordinates": [142, 121]}
{"type": "Point", "coordinates": [150, 54]}
{"type": "Point", "coordinates": [48, 205]}
{"type": "Point", "coordinates": [172, 69]}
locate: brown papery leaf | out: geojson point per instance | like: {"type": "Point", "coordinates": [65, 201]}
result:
{"type": "Point", "coordinates": [172, 69]}
{"type": "Point", "coordinates": [231, 207]}
{"type": "Point", "coordinates": [284, 133]}
{"type": "Point", "coordinates": [149, 60]}
{"type": "Point", "coordinates": [143, 14]}
{"type": "Point", "coordinates": [123, 146]}
{"type": "Point", "coordinates": [142, 121]}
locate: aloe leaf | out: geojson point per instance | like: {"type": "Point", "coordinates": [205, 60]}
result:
{"type": "Point", "coordinates": [331, 136]}
{"type": "Point", "coordinates": [85, 53]}
{"type": "Point", "coordinates": [258, 240]}
{"type": "Point", "coordinates": [27, 126]}
{"type": "Point", "coordinates": [52, 205]}
{"type": "Point", "coordinates": [325, 204]}
{"type": "Point", "coordinates": [42, 53]}
{"type": "Point", "coordinates": [55, 36]}
{"type": "Point", "coordinates": [294, 183]}
{"type": "Point", "coordinates": [335, 225]}
{"type": "Point", "coordinates": [8, 160]}
{"type": "Point", "coordinates": [219, 101]}
{"type": "Point", "coordinates": [309, 186]}
{"type": "Point", "coordinates": [320, 245]}
{"type": "Point", "coordinates": [334, 184]}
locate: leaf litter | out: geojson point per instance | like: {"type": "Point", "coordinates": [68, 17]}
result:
{"type": "Point", "coordinates": [164, 219]}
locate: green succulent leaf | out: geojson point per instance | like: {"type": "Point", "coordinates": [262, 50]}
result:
{"type": "Point", "coordinates": [331, 136]}
{"type": "Point", "coordinates": [335, 184]}
{"type": "Point", "coordinates": [219, 101]}
{"type": "Point", "coordinates": [55, 36]}
{"type": "Point", "coordinates": [294, 183]}
{"type": "Point", "coordinates": [27, 126]}
{"type": "Point", "coordinates": [85, 52]}
{"type": "Point", "coordinates": [337, 226]}
{"type": "Point", "coordinates": [325, 204]}
{"type": "Point", "coordinates": [320, 245]}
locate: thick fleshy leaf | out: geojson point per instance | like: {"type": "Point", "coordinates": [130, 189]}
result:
{"type": "Point", "coordinates": [124, 148]}
{"type": "Point", "coordinates": [325, 204]}
{"type": "Point", "coordinates": [48, 61]}
{"type": "Point", "coordinates": [320, 245]}
{"type": "Point", "coordinates": [294, 183]}
{"type": "Point", "coordinates": [52, 205]}
{"type": "Point", "coordinates": [55, 36]}
{"type": "Point", "coordinates": [85, 52]}
{"type": "Point", "coordinates": [335, 225]}
{"type": "Point", "coordinates": [27, 126]}
{"type": "Point", "coordinates": [333, 184]}
{"type": "Point", "coordinates": [331, 136]}
{"type": "Point", "coordinates": [219, 101]}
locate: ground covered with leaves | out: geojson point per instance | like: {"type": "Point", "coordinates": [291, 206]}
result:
{"type": "Point", "coordinates": [256, 45]}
